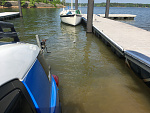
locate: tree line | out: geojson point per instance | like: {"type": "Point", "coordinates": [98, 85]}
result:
{"type": "Point", "coordinates": [113, 5]}
{"type": "Point", "coordinates": [32, 2]}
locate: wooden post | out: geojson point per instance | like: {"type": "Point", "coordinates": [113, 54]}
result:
{"type": "Point", "coordinates": [90, 16]}
{"type": "Point", "coordinates": [107, 8]}
{"type": "Point", "coordinates": [76, 4]}
{"type": "Point", "coordinates": [20, 10]}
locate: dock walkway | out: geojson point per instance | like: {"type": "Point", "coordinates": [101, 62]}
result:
{"type": "Point", "coordinates": [119, 16]}
{"type": "Point", "coordinates": [126, 41]}
{"type": "Point", "coordinates": [9, 15]}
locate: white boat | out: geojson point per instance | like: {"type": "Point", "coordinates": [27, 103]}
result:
{"type": "Point", "coordinates": [71, 16]}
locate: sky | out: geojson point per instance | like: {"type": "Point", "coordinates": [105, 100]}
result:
{"type": "Point", "coordinates": [112, 1]}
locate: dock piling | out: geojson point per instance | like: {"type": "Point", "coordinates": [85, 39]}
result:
{"type": "Point", "coordinates": [20, 10]}
{"type": "Point", "coordinates": [76, 4]}
{"type": "Point", "coordinates": [90, 16]}
{"type": "Point", "coordinates": [107, 8]}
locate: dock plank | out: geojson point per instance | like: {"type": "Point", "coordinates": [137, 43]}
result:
{"type": "Point", "coordinates": [118, 15]}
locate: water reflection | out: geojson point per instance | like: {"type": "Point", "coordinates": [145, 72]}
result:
{"type": "Point", "coordinates": [70, 31]}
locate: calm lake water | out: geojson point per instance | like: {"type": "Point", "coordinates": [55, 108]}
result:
{"type": "Point", "coordinates": [92, 78]}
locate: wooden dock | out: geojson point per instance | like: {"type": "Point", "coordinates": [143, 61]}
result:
{"type": "Point", "coordinates": [119, 16]}
{"type": "Point", "coordinates": [126, 41]}
{"type": "Point", "coordinates": [9, 15]}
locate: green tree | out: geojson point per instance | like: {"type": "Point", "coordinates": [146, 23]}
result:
{"type": "Point", "coordinates": [2, 2]}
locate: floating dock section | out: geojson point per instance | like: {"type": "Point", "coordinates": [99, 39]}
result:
{"type": "Point", "coordinates": [119, 16]}
{"type": "Point", "coordinates": [126, 41]}
{"type": "Point", "coordinates": [9, 15]}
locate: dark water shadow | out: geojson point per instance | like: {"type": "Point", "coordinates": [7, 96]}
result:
{"type": "Point", "coordinates": [141, 87]}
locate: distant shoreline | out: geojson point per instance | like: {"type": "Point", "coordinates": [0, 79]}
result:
{"type": "Point", "coordinates": [1, 7]}
{"type": "Point", "coordinates": [14, 4]}
{"type": "Point", "coordinates": [114, 5]}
